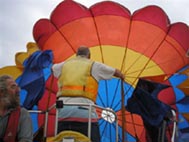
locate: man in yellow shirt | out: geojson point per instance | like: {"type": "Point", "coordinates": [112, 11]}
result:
{"type": "Point", "coordinates": [78, 83]}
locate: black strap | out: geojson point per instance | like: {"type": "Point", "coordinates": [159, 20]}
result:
{"type": "Point", "coordinates": [1, 140]}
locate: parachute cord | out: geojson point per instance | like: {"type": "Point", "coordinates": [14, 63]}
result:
{"type": "Point", "coordinates": [49, 93]}
{"type": "Point", "coordinates": [123, 110]}
{"type": "Point", "coordinates": [145, 65]}
{"type": "Point", "coordinates": [122, 88]}
{"type": "Point", "coordinates": [98, 36]}
{"type": "Point", "coordinates": [66, 39]}
{"type": "Point", "coordinates": [47, 109]}
{"type": "Point", "coordinates": [123, 114]}
{"type": "Point", "coordinates": [132, 118]}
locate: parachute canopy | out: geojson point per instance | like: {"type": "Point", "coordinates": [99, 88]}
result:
{"type": "Point", "coordinates": [141, 44]}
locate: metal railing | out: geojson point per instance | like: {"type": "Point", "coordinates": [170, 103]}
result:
{"type": "Point", "coordinates": [90, 106]}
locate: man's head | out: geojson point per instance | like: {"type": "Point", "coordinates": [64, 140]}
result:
{"type": "Point", "coordinates": [84, 52]}
{"type": "Point", "coordinates": [9, 92]}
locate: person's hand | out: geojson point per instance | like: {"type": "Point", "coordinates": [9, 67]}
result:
{"type": "Point", "coordinates": [122, 76]}
{"type": "Point", "coordinates": [119, 74]}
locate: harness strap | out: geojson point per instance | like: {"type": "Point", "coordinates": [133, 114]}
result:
{"type": "Point", "coordinates": [79, 88]}
{"type": "Point", "coordinates": [12, 126]}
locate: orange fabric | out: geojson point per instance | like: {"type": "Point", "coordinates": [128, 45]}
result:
{"type": "Point", "coordinates": [157, 78]}
{"type": "Point", "coordinates": [185, 72]}
{"type": "Point", "coordinates": [133, 123]}
{"type": "Point", "coordinates": [62, 53]}
{"type": "Point", "coordinates": [186, 116]}
{"type": "Point", "coordinates": [184, 87]}
{"type": "Point", "coordinates": [89, 90]}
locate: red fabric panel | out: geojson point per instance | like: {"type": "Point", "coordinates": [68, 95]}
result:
{"type": "Point", "coordinates": [42, 105]}
{"type": "Point", "coordinates": [110, 8]}
{"type": "Point", "coordinates": [180, 32]}
{"type": "Point", "coordinates": [153, 15]}
{"type": "Point", "coordinates": [68, 11]}
{"type": "Point", "coordinates": [42, 30]}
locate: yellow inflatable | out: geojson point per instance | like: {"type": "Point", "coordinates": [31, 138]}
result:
{"type": "Point", "coordinates": [76, 136]}
{"type": "Point", "coordinates": [16, 70]}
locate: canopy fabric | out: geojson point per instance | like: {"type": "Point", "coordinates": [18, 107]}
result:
{"type": "Point", "coordinates": [33, 78]}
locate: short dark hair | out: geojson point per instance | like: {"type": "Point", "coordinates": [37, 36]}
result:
{"type": "Point", "coordinates": [83, 50]}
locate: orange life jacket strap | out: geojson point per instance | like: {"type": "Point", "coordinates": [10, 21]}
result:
{"type": "Point", "coordinates": [73, 88]}
{"type": "Point", "coordinates": [80, 88]}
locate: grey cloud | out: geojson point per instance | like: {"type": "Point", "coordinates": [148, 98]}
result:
{"type": "Point", "coordinates": [19, 16]}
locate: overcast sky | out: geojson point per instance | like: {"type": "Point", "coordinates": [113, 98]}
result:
{"type": "Point", "coordinates": [17, 18]}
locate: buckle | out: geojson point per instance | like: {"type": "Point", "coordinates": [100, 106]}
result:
{"type": "Point", "coordinates": [59, 104]}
